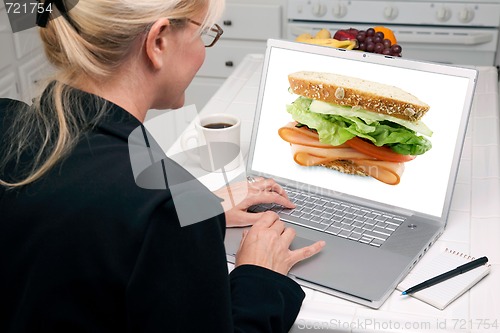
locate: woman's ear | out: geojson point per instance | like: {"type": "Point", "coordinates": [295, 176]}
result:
{"type": "Point", "coordinates": [156, 42]}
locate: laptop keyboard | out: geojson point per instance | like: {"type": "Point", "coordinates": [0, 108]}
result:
{"type": "Point", "coordinates": [338, 218]}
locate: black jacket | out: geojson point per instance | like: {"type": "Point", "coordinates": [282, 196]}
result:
{"type": "Point", "coordinates": [84, 249]}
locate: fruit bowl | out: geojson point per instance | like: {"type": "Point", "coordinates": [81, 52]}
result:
{"type": "Point", "coordinates": [378, 39]}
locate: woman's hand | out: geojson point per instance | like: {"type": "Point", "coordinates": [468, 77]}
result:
{"type": "Point", "coordinates": [240, 196]}
{"type": "Point", "coordinates": [267, 244]}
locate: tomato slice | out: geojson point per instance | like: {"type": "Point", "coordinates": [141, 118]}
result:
{"type": "Point", "coordinates": [380, 153]}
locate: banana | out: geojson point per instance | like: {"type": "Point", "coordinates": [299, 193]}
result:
{"type": "Point", "coordinates": [323, 37]}
{"type": "Point", "coordinates": [303, 37]}
{"type": "Point", "coordinates": [344, 44]}
{"type": "Point", "coordinates": [323, 33]}
{"type": "Point", "coordinates": [354, 43]}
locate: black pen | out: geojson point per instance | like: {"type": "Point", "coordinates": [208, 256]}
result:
{"type": "Point", "coordinates": [445, 276]}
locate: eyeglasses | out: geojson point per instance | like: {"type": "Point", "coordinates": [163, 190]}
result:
{"type": "Point", "coordinates": [211, 35]}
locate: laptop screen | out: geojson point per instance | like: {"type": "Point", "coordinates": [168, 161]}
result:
{"type": "Point", "coordinates": [424, 183]}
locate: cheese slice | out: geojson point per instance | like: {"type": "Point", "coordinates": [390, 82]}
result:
{"type": "Point", "coordinates": [367, 116]}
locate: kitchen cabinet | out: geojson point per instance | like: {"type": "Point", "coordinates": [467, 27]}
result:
{"type": "Point", "coordinates": [8, 77]}
{"type": "Point", "coordinates": [7, 89]}
{"type": "Point", "coordinates": [247, 26]}
{"type": "Point", "coordinates": [22, 62]}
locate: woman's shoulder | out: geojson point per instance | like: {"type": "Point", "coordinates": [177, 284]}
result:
{"type": "Point", "coordinates": [6, 103]}
{"type": "Point", "coordinates": [9, 106]}
{"type": "Point", "coordinates": [9, 109]}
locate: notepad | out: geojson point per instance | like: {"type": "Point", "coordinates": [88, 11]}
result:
{"type": "Point", "coordinates": [442, 294]}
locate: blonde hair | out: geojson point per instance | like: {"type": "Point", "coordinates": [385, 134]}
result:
{"type": "Point", "coordinates": [94, 44]}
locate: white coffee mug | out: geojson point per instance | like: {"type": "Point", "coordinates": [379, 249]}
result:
{"type": "Point", "coordinates": [217, 139]}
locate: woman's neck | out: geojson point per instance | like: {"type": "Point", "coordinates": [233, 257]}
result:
{"type": "Point", "coordinates": [127, 91]}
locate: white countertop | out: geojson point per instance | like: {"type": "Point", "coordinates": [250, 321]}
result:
{"type": "Point", "coordinates": [473, 227]}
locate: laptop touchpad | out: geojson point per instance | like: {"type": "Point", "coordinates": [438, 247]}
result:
{"type": "Point", "coordinates": [300, 242]}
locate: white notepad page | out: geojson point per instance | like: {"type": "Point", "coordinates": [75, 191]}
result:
{"type": "Point", "coordinates": [442, 294]}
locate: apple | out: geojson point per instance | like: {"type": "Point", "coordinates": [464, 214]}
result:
{"type": "Point", "coordinates": [346, 34]}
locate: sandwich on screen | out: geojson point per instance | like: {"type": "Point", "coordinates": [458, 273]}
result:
{"type": "Point", "coordinates": [354, 126]}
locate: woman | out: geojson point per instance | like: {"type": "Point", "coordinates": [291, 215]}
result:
{"type": "Point", "coordinates": [82, 247]}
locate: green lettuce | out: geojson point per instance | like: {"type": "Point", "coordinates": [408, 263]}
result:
{"type": "Point", "coordinates": [336, 129]}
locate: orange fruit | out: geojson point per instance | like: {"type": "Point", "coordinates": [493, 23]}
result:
{"type": "Point", "coordinates": [388, 33]}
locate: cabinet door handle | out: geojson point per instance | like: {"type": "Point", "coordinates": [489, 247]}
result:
{"type": "Point", "coordinates": [227, 23]}
{"type": "Point", "coordinates": [229, 63]}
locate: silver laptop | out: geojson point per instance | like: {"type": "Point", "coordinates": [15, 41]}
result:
{"type": "Point", "coordinates": [374, 232]}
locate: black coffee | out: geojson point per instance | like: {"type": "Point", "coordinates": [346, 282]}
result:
{"type": "Point", "coordinates": [218, 125]}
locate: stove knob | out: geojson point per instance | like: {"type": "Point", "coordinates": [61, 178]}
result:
{"type": "Point", "coordinates": [466, 15]}
{"type": "Point", "coordinates": [339, 10]}
{"type": "Point", "coordinates": [391, 12]}
{"type": "Point", "coordinates": [443, 14]}
{"type": "Point", "coordinates": [319, 10]}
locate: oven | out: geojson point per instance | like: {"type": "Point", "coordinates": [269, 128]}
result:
{"type": "Point", "coordinates": [446, 31]}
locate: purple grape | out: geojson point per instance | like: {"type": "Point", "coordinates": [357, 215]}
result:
{"type": "Point", "coordinates": [386, 51]}
{"type": "Point", "coordinates": [369, 39]}
{"type": "Point", "coordinates": [362, 46]}
{"type": "Point", "coordinates": [396, 49]}
{"type": "Point", "coordinates": [380, 34]}
{"type": "Point", "coordinates": [377, 39]}
{"type": "Point", "coordinates": [370, 47]}
{"type": "Point", "coordinates": [370, 32]}
{"type": "Point", "coordinates": [387, 43]}
{"type": "Point", "coordinates": [379, 47]}
{"type": "Point", "coordinates": [361, 37]}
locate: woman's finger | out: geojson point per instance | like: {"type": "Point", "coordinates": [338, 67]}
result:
{"type": "Point", "coordinates": [243, 237]}
{"type": "Point", "coordinates": [275, 187]}
{"type": "Point", "coordinates": [306, 252]}
{"type": "Point", "coordinates": [279, 226]}
{"type": "Point", "coordinates": [268, 197]}
{"type": "Point", "coordinates": [267, 219]}
{"type": "Point", "coordinates": [288, 235]}
{"type": "Point", "coordinates": [269, 185]}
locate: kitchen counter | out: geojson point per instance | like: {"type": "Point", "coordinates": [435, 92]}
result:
{"type": "Point", "coordinates": [473, 228]}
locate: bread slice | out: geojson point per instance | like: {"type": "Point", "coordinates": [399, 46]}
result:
{"type": "Point", "coordinates": [352, 91]}
{"type": "Point", "coordinates": [345, 166]}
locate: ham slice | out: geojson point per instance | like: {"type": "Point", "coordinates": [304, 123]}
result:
{"type": "Point", "coordinates": [301, 135]}
{"type": "Point", "coordinates": [331, 153]}
{"type": "Point", "coordinates": [307, 150]}
{"type": "Point", "coordinates": [386, 172]}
